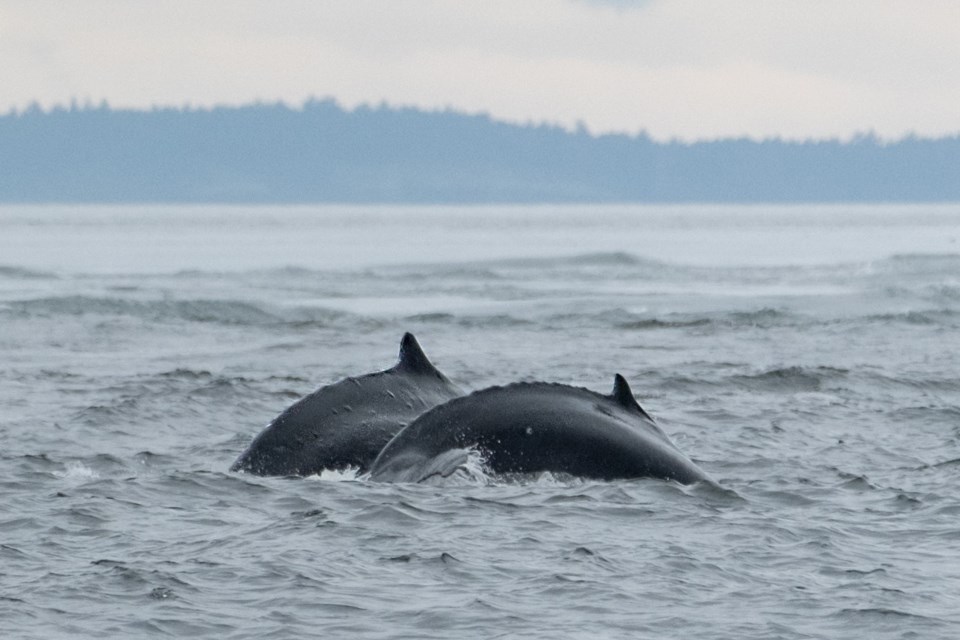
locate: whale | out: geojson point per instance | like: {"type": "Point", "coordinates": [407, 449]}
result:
{"type": "Point", "coordinates": [345, 425]}
{"type": "Point", "coordinates": [532, 427]}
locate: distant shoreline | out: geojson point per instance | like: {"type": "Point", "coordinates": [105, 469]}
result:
{"type": "Point", "coordinates": [325, 154]}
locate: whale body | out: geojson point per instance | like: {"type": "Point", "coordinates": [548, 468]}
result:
{"type": "Point", "coordinates": [534, 427]}
{"type": "Point", "coordinates": [346, 424]}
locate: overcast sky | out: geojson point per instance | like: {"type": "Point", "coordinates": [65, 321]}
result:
{"type": "Point", "coordinates": [675, 68]}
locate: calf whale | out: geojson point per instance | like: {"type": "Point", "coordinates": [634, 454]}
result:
{"type": "Point", "coordinates": [346, 424]}
{"type": "Point", "coordinates": [533, 427]}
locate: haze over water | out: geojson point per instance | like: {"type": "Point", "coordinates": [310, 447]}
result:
{"type": "Point", "coordinates": [805, 357]}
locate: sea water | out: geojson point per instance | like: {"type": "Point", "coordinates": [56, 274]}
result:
{"type": "Point", "coordinates": [806, 357]}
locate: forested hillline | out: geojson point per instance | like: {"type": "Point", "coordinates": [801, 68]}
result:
{"type": "Point", "coordinates": [321, 152]}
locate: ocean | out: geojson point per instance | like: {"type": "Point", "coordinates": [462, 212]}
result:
{"type": "Point", "coordinates": [806, 357]}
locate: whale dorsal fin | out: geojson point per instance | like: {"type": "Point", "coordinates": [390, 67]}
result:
{"type": "Point", "coordinates": [412, 357]}
{"type": "Point", "coordinates": [624, 396]}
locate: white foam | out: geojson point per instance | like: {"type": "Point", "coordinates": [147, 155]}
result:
{"type": "Point", "coordinates": [75, 471]}
{"type": "Point", "coordinates": [349, 474]}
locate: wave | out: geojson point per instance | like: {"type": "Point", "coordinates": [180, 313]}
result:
{"type": "Point", "coordinates": [565, 312]}
{"type": "Point", "coordinates": [765, 317]}
{"type": "Point", "coordinates": [657, 323]}
{"type": "Point", "coordinates": [760, 318]}
{"type": "Point", "coordinates": [495, 321]}
{"type": "Point", "coordinates": [22, 273]}
{"type": "Point", "coordinates": [946, 416]}
{"type": "Point", "coordinates": [938, 317]}
{"type": "Point", "coordinates": [893, 616]}
{"type": "Point", "coordinates": [770, 318]}
{"type": "Point", "coordinates": [613, 258]}
{"type": "Point", "coordinates": [601, 259]}
{"type": "Point", "coordinates": [202, 375]}
{"type": "Point", "coordinates": [227, 312]}
{"type": "Point", "coordinates": [286, 271]}
{"type": "Point", "coordinates": [484, 268]}
{"type": "Point", "coordinates": [791, 379]}
{"type": "Point", "coordinates": [912, 262]}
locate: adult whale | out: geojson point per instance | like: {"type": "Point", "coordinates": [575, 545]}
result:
{"type": "Point", "coordinates": [346, 424]}
{"type": "Point", "coordinates": [533, 427]}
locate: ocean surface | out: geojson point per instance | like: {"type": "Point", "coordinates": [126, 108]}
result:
{"type": "Point", "coordinates": [807, 357]}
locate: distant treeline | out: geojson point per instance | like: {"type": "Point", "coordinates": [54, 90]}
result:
{"type": "Point", "coordinates": [324, 153]}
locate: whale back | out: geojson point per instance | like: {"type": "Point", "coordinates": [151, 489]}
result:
{"type": "Point", "coordinates": [346, 424]}
{"type": "Point", "coordinates": [534, 427]}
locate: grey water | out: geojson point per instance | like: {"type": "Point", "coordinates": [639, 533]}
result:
{"type": "Point", "coordinates": [806, 357]}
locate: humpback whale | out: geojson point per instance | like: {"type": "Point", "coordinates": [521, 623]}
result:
{"type": "Point", "coordinates": [534, 426]}
{"type": "Point", "coordinates": [346, 424]}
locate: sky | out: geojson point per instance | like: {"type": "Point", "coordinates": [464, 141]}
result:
{"type": "Point", "coordinates": [675, 69]}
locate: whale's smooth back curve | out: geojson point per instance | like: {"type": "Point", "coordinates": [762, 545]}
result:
{"type": "Point", "coordinates": [534, 427]}
{"type": "Point", "coordinates": [346, 424]}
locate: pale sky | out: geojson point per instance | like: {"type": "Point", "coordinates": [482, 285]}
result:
{"type": "Point", "coordinates": [685, 69]}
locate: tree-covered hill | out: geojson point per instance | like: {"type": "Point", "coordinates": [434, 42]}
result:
{"type": "Point", "coordinates": [324, 153]}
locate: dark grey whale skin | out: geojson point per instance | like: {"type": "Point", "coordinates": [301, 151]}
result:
{"type": "Point", "coordinates": [346, 424]}
{"type": "Point", "coordinates": [534, 427]}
